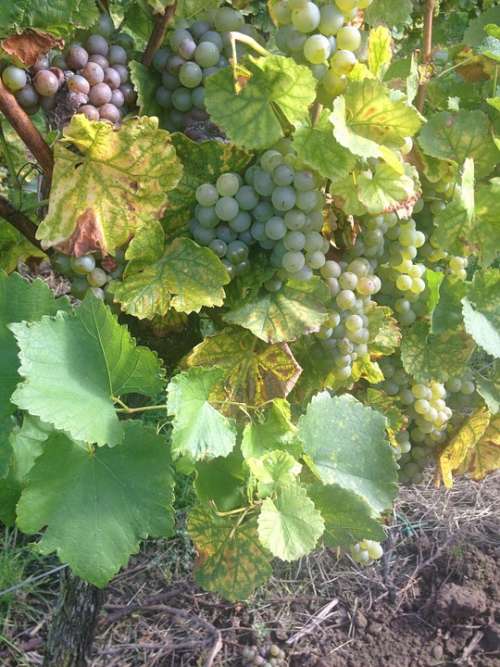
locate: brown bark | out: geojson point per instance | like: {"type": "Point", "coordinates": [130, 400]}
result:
{"type": "Point", "coordinates": [22, 124]}
{"type": "Point", "coordinates": [427, 51]}
{"type": "Point", "coordinates": [157, 35]}
{"type": "Point", "coordinates": [74, 623]}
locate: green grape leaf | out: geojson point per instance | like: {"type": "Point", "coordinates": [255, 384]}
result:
{"type": "Point", "coordinates": [190, 9]}
{"type": "Point", "coordinates": [146, 81]}
{"type": "Point", "coordinates": [185, 277]}
{"type": "Point", "coordinates": [388, 191]}
{"type": "Point", "coordinates": [276, 86]}
{"type": "Point", "coordinates": [490, 48]}
{"type": "Point", "coordinates": [389, 12]}
{"type": "Point", "coordinates": [19, 300]}
{"type": "Point", "coordinates": [97, 505]}
{"type": "Point", "coordinates": [6, 426]}
{"type": "Point", "coordinates": [274, 470]}
{"type": "Point", "coordinates": [481, 311]}
{"type": "Point", "coordinates": [230, 560]}
{"type": "Point", "coordinates": [348, 518]}
{"type": "Point", "coordinates": [368, 122]}
{"type": "Point", "coordinates": [388, 406]}
{"type": "Point", "coordinates": [489, 389]}
{"type": "Point", "coordinates": [379, 51]}
{"type": "Point", "coordinates": [199, 430]}
{"type": "Point", "coordinates": [362, 368]}
{"type": "Point", "coordinates": [254, 372]}
{"type": "Point", "coordinates": [433, 280]}
{"type": "Point", "coordinates": [346, 194]}
{"type": "Point", "coordinates": [455, 223]}
{"type": "Point", "coordinates": [296, 310]}
{"type": "Point", "coordinates": [289, 524]}
{"type": "Point", "coordinates": [58, 17]}
{"type": "Point", "coordinates": [345, 444]}
{"type": "Point", "coordinates": [317, 147]}
{"type": "Point", "coordinates": [222, 481]}
{"type": "Point", "coordinates": [427, 356]}
{"type": "Point", "coordinates": [269, 431]}
{"type": "Point", "coordinates": [456, 136]}
{"type": "Point", "coordinates": [73, 365]}
{"type": "Point", "coordinates": [14, 247]}
{"type": "Point", "coordinates": [23, 445]}
{"type": "Point", "coordinates": [486, 231]}
{"type": "Point", "coordinates": [385, 335]}
{"type": "Point", "coordinates": [203, 162]}
{"type": "Point", "coordinates": [476, 33]}
{"type": "Point", "coordinates": [117, 182]}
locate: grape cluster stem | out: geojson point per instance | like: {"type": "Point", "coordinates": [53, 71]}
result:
{"type": "Point", "coordinates": [161, 24]}
{"type": "Point", "coordinates": [22, 124]}
{"type": "Point", "coordinates": [18, 220]}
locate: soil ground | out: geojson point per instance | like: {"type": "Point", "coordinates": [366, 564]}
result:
{"type": "Point", "coordinates": [434, 599]}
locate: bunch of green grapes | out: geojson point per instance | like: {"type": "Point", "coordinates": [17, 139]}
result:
{"type": "Point", "coordinates": [90, 273]}
{"type": "Point", "coordinates": [317, 33]}
{"type": "Point", "coordinates": [345, 334]}
{"type": "Point", "coordinates": [92, 77]}
{"type": "Point", "coordinates": [269, 655]}
{"type": "Point", "coordinates": [366, 552]}
{"type": "Point", "coordinates": [277, 207]}
{"type": "Point", "coordinates": [195, 51]}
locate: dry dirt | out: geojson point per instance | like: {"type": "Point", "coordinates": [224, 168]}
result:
{"type": "Point", "coordinates": [434, 599]}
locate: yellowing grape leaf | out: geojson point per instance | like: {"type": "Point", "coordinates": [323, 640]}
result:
{"type": "Point", "coordinates": [182, 275]}
{"type": "Point", "coordinates": [379, 51]}
{"type": "Point", "coordinates": [475, 449]}
{"type": "Point", "coordinates": [116, 181]}
{"type": "Point", "coordinates": [277, 87]}
{"type": "Point", "coordinates": [254, 373]}
{"type": "Point", "coordinates": [371, 124]}
{"type": "Point", "coordinates": [296, 310]}
{"type": "Point", "coordinates": [231, 561]}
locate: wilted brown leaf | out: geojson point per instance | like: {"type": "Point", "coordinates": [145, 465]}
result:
{"type": "Point", "coordinates": [30, 45]}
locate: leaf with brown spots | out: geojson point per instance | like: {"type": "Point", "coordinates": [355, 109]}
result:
{"type": "Point", "coordinates": [231, 560]}
{"type": "Point", "coordinates": [254, 373]}
{"type": "Point", "coordinates": [474, 449]}
{"type": "Point", "coordinates": [30, 45]}
{"type": "Point", "coordinates": [115, 182]}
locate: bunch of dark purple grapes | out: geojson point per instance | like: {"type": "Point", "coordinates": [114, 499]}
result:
{"type": "Point", "coordinates": [91, 77]}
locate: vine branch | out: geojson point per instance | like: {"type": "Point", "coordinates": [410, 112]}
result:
{"type": "Point", "coordinates": [22, 124]}
{"type": "Point", "coordinates": [427, 52]}
{"type": "Point", "coordinates": [158, 33]}
{"type": "Point", "coordinates": [18, 220]}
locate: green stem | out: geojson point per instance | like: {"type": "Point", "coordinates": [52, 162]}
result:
{"type": "Point", "coordinates": [15, 182]}
{"type": "Point", "coordinates": [495, 81]}
{"type": "Point", "coordinates": [454, 67]}
{"type": "Point", "coordinates": [146, 408]}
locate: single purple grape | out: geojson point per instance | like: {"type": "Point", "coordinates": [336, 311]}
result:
{"type": "Point", "coordinates": [117, 98]}
{"type": "Point", "coordinates": [27, 97]}
{"type": "Point", "coordinates": [174, 64]}
{"type": "Point", "coordinates": [93, 72]}
{"type": "Point", "coordinates": [117, 55]}
{"type": "Point", "coordinates": [100, 60]}
{"type": "Point", "coordinates": [58, 72]}
{"type": "Point", "coordinates": [112, 78]}
{"type": "Point", "coordinates": [128, 93]}
{"type": "Point", "coordinates": [48, 103]}
{"type": "Point", "coordinates": [97, 45]}
{"type": "Point", "coordinates": [122, 71]}
{"type": "Point", "coordinates": [109, 112]}
{"type": "Point", "coordinates": [100, 94]}
{"type": "Point", "coordinates": [46, 83]}
{"type": "Point", "coordinates": [77, 57]}
{"type": "Point", "coordinates": [42, 62]}
{"type": "Point", "coordinates": [79, 84]}
{"type": "Point", "coordinates": [187, 48]}
{"type": "Point", "coordinates": [89, 111]}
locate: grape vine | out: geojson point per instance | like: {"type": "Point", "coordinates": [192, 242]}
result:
{"type": "Point", "coordinates": [275, 233]}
